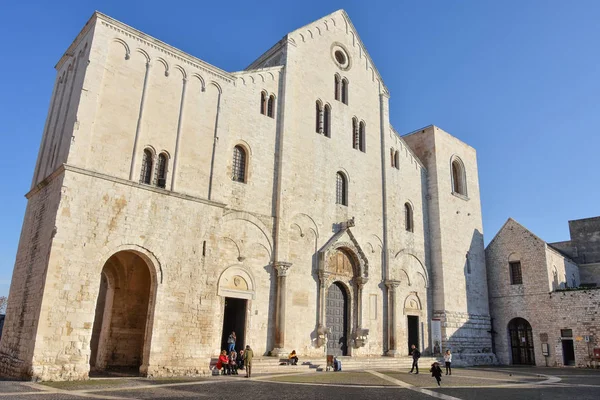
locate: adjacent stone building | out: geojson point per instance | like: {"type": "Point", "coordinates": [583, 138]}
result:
{"type": "Point", "coordinates": [174, 202]}
{"type": "Point", "coordinates": [544, 297]}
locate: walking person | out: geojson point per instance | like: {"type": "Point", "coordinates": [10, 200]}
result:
{"type": "Point", "coordinates": [436, 372]}
{"type": "Point", "coordinates": [416, 354]}
{"type": "Point", "coordinates": [448, 361]}
{"type": "Point", "coordinates": [231, 342]}
{"type": "Point", "coordinates": [248, 354]}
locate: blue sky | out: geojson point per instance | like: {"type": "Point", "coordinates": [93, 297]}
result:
{"type": "Point", "coordinates": [517, 80]}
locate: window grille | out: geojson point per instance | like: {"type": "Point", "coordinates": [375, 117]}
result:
{"type": "Point", "coordinates": [516, 276]}
{"type": "Point", "coordinates": [319, 117]}
{"type": "Point", "coordinates": [146, 175]}
{"type": "Point", "coordinates": [345, 91]}
{"type": "Point", "coordinates": [327, 121]}
{"type": "Point", "coordinates": [361, 137]}
{"type": "Point", "coordinates": [239, 164]}
{"type": "Point", "coordinates": [271, 107]}
{"type": "Point", "coordinates": [459, 184]}
{"type": "Point", "coordinates": [340, 193]}
{"type": "Point", "coordinates": [263, 103]}
{"type": "Point", "coordinates": [408, 217]}
{"type": "Point", "coordinates": [161, 180]}
{"type": "Point", "coordinates": [354, 133]}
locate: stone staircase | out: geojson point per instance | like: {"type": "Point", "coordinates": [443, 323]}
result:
{"type": "Point", "coordinates": [274, 365]}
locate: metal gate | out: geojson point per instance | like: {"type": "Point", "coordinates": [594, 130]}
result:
{"type": "Point", "coordinates": [521, 342]}
{"type": "Point", "coordinates": [337, 320]}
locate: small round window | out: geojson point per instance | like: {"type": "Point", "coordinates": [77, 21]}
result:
{"type": "Point", "coordinates": [340, 56]}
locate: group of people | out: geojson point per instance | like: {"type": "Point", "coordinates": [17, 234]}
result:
{"type": "Point", "coordinates": [230, 361]}
{"type": "Point", "coordinates": [435, 370]}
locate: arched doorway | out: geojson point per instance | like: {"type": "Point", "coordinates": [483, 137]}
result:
{"type": "Point", "coordinates": [119, 333]}
{"type": "Point", "coordinates": [337, 320]}
{"type": "Point", "coordinates": [521, 342]}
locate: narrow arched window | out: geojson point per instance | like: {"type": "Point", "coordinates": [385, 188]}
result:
{"type": "Point", "coordinates": [161, 170]}
{"type": "Point", "coordinates": [263, 103]}
{"type": "Point", "coordinates": [362, 146]}
{"type": "Point", "coordinates": [408, 217]}
{"type": "Point", "coordinates": [345, 91]}
{"type": "Point", "coordinates": [397, 159]}
{"type": "Point", "coordinates": [239, 164]}
{"type": "Point", "coordinates": [341, 190]}
{"type": "Point", "coordinates": [319, 117]}
{"type": "Point", "coordinates": [355, 133]}
{"type": "Point", "coordinates": [147, 163]}
{"type": "Point", "coordinates": [459, 181]}
{"type": "Point", "coordinates": [392, 158]}
{"type": "Point", "coordinates": [271, 107]}
{"type": "Point", "coordinates": [327, 121]}
{"type": "Point", "coordinates": [336, 87]}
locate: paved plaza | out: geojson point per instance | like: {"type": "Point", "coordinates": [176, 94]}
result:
{"type": "Point", "coordinates": [465, 383]}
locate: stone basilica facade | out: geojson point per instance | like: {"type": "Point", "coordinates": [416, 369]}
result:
{"type": "Point", "coordinates": [173, 202]}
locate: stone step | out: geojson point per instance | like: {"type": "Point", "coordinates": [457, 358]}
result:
{"type": "Point", "coordinates": [277, 365]}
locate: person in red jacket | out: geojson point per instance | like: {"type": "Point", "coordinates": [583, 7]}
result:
{"type": "Point", "coordinates": [223, 363]}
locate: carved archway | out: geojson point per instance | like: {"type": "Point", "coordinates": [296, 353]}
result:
{"type": "Point", "coordinates": [236, 282]}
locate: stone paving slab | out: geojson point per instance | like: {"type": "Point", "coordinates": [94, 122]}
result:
{"type": "Point", "coordinates": [15, 387]}
{"type": "Point", "coordinates": [340, 378]}
{"type": "Point", "coordinates": [463, 378]}
{"type": "Point", "coordinates": [118, 383]}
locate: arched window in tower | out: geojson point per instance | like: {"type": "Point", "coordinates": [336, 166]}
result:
{"type": "Point", "coordinates": [341, 189]}
{"type": "Point", "coordinates": [345, 91]}
{"type": "Point", "coordinates": [362, 145]}
{"type": "Point", "coordinates": [355, 139]}
{"type": "Point", "coordinates": [392, 158]}
{"type": "Point", "coordinates": [263, 103]}
{"type": "Point", "coordinates": [408, 217]}
{"type": "Point", "coordinates": [459, 179]}
{"type": "Point", "coordinates": [327, 121]}
{"type": "Point", "coordinates": [239, 164]}
{"type": "Point", "coordinates": [397, 159]}
{"type": "Point", "coordinates": [147, 163]}
{"type": "Point", "coordinates": [271, 107]}
{"type": "Point", "coordinates": [161, 170]}
{"type": "Point", "coordinates": [319, 117]}
{"type": "Point", "coordinates": [336, 86]}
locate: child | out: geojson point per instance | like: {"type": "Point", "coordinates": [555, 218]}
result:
{"type": "Point", "coordinates": [436, 372]}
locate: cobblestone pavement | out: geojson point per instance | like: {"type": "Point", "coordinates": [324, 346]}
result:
{"type": "Point", "coordinates": [464, 383]}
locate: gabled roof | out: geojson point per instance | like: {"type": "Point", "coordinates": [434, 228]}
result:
{"type": "Point", "coordinates": [321, 23]}
{"type": "Point", "coordinates": [510, 220]}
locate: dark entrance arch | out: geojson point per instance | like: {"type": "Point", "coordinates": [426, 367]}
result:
{"type": "Point", "coordinates": [521, 342]}
{"type": "Point", "coordinates": [337, 320]}
{"type": "Point", "coordinates": [121, 319]}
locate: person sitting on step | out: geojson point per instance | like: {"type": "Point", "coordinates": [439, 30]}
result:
{"type": "Point", "coordinates": [293, 358]}
{"type": "Point", "coordinates": [223, 363]}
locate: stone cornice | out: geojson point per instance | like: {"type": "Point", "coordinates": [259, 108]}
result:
{"type": "Point", "coordinates": [65, 167]}
{"type": "Point", "coordinates": [163, 47]}
{"type": "Point", "coordinates": [149, 41]}
{"type": "Point", "coordinates": [70, 50]}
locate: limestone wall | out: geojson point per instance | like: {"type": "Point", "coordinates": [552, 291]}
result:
{"type": "Point", "coordinates": [457, 252]}
{"type": "Point", "coordinates": [20, 333]}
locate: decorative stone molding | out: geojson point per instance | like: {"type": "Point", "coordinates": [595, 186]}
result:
{"type": "Point", "coordinates": [282, 267]}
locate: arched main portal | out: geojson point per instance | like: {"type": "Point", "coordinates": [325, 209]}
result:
{"type": "Point", "coordinates": [521, 342]}
{"type": "Point", "coordinates": [119, 333]}
{"type": "Point", "coordinates": [337, 320]}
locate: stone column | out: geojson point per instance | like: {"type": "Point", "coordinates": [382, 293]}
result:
{"type": "Point", "coordinates": [360, 282]}
{"type": "Point", "coordinates": [392, 334]}
{"type": "Point", "coordinates": [281, 291]}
